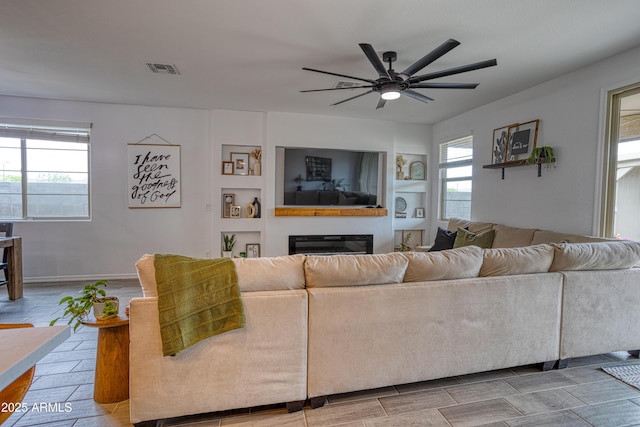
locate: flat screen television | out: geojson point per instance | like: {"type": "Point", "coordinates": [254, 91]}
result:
{"type": "Point", "coordinates": [330, 177]}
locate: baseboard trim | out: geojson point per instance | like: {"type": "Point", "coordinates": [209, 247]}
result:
{"type": "Point", "coordinates": [87, 278]}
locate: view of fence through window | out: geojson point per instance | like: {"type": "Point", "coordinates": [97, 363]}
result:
{"type": "Point", "coordinates": [455, 178]}
{"type": "Point", "coordinates": [43, 178]}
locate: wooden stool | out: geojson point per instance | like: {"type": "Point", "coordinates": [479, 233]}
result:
{"type": "Point", "coordinates": [112, 359]}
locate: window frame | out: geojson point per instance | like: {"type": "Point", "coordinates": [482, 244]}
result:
{"type": "Point", "coordinates": [444, 165]}
{"type": "Point", "coordinates": [24, 130]}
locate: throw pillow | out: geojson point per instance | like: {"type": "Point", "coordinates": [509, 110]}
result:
{"type": "Point", "coordinates": [444, 240]}
{"type": "Point", "coordinates": [467, 238]}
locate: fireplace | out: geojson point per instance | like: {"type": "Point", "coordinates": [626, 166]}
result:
{"type": "Point", "coordinates": [333, 244]}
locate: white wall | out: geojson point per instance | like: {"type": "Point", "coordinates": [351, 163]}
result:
{"type": "Point", "coordinates": [565, 197]}
{"type": "Point", "coordinates": [109, 244]}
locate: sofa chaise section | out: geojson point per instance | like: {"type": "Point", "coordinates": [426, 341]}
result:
{"type": "Point", "coordinates": [263, 363]}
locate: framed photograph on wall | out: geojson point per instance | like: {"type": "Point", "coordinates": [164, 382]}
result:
{"type": "Point", "coordinates": [227, 168]}
{"type": "Point", "coordinates": [240, 163]}
{"type": "Point", "coordinates": [499, 149]}
{"type": "Point", "coordinates": [228, 200]}
{"type": "Point", "coordinates": [522, 140]}
{"type": "Point", "coordinates": [253, 250]}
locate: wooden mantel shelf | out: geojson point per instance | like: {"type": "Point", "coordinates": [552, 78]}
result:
{"type": "Point", "coordinates": [321, 211]}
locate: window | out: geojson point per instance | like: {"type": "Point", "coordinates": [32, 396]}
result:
{"type": "Point", "coordinates": [45, 170]}
{"type": "Point", "coordinates": [455, 179]}
{"type": "Point", "coordinates": [619, 216]}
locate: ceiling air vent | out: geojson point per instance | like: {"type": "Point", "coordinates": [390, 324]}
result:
{"type": "Point", "coordinates": [163, 68]}
{"type": "Point", "coordinates": [346, 84]}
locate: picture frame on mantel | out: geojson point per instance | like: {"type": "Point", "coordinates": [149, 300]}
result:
{"type": "Point", "coordinates": [499, 148]}
{"type": "Point", "coordinates": [523, 138]}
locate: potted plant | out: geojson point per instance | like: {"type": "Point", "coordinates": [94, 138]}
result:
{"type": "Point", "coordinates": [539, 155]}
{"type": "Point", "coordinates": [92, 296]}
{"type": "Point", "coordinates": [229, 242]}
{"type": "Point", "coordinates": [298, 180]}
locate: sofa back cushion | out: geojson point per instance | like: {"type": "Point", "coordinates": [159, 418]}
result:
{"type": "Point", "coordinates": [461, 263]}
{"type": "Point", "coordinates": [254, 274]}
{"type": "Point", "coordinates": [354, 270]}
{"type": "Point", "coordinates": [270, 273]}
{"type": "Point", "coordinates": [509, 261]}
{"type": "Point", "coordinates": [512, 237]}
{"type": "Point", "coordinates": [546, 236]}
{"type": "Point", "coordinates": [612, 255]}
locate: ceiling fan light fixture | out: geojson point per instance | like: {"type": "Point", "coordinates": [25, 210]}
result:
{"type": "Point", "coordinates": [390, 93]}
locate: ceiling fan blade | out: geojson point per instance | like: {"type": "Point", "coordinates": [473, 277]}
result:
{"type": "Point", "coordinates": [339, 75]}
{"type": "Point", "coordinates": [417, 96]}
{"type": "Point", "coordinates": [336, 88]}
{"type": "Point", "coordinates": [375, 60]}
{"type": "Point", "coordinates": [381, 102]}
{"type": "Point", "coordinates": [353, 97]}
{"type": "Point", "coordinates": [455, 70]}
{"type": "Point", "coordinates": [444, 86]}
{"type": "Point", "coordinates": [429, 58]}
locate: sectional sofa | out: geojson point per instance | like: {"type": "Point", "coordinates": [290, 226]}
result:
{"type": "Point", "coordinates": [321, 325]}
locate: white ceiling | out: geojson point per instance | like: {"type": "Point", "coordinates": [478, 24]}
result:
{"type": "Point", "coordinates": [249, 54]}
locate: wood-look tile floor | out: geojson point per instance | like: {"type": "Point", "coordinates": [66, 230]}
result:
{"type": "Point", "coordinates": [581, 395]}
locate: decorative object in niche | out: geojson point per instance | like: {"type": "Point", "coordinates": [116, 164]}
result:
{"type": "Point", "coordinates": [227, 168]}
{"type": "Point", "coordinates": [240, 163]}
{"type": "Point", "coordinates": [318, 168]}
{"type": "Point", "coordinates": [257, 166]}
{"type": "Point", "coordinates": [419, 213]}
{"type": "Point", "coordinates": [400, 162]}
{"type": "Point", "coordinates": [257, 208]}
{"type": "Point", "coordinates": [253, 250]}
{"type": "Point", "coordinates": [417, 170]}
{"type": "Point", "coordinates": [236, 211]}
{"type": "Point", "coordinates": [228, 200]}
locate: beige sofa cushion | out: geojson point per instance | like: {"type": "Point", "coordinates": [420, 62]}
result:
{"type": "Point", "coordinates": [270, 274]}
{"type": "Point", "coordinates": [147, 275]}
{"type": "Point", "coordinates": [512, 237]}
{"type": "Point", "coordinates": [508, 261]}
{"type": "Point", "coordinates": [254, 274]}
{"type": "Point", "coordinates": [461, 263]}
{"type": "Point", "coordinates": [595, 256]}
{"type": "Point", "coordinates": [546, 236]}
{"type": "Point", "coordinates": [473, 226]}
{"type": "Point", "coordinates": [354, 270]}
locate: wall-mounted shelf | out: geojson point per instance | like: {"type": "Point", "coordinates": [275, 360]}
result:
{"type": "Point", "coordinates": [513, 164]}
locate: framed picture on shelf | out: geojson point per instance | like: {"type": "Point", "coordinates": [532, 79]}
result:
{"type": "Point", "coordinates": [253, 250]}
{"type": "Point", "coordinates": [228, 200]}
{"type": "Point", "coordinates": [417, 170]}
{"type": "Point", "coordinates": [236, 211]}
{"type": "Point", "coordinates": [499, 149]}
{"type": "Point", "coordinates": [419, 213]}
{"type": "Point", "coordinates": [227, 168]}
{"type": "Point", "coordinates": [522, 140]}
{"type": "Point", "coordinates": [411, 239]}
{"type": "Point", "coordinates": [240, 163]}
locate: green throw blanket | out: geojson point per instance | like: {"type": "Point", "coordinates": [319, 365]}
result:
{"type": "Point", "coordinates": [197, 298]}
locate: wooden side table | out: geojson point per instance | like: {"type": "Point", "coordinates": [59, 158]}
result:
{"type": "Point", "coordinates": [112, 359]}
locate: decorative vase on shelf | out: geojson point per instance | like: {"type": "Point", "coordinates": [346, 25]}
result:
{"type": "Point", "coordinates": [257, 208]}
{"type": "Point", "coordinates": [400, 175]}
{"type": "Point", "coordinates": [257, 168]}
{"type": "Point", "coordinates": [227, 254]}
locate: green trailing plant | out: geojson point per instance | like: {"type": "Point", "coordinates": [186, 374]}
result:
{"type": "Point", "coordinates": [540, 155]}
{"type": "Point", "coordinates": [229, 242]}
{"type": "Point", "coordinates": [79, 307]}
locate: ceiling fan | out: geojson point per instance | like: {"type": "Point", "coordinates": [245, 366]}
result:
{"type": "Point", "coordinates": [391, 85]}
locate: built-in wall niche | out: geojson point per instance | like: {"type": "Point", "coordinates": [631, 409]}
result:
{"type": "Point", "coordinates": [328, 177]}
{"type": "Point", "coordinates": [243, 238]}
{"type": "Point", "coordinates": [239, 197]}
